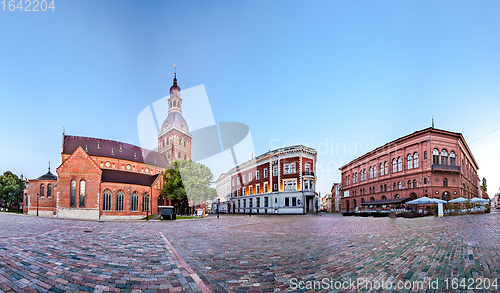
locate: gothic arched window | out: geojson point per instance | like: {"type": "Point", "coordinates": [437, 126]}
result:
{"type": "Point", "coordinates": [452, 158]}
{"type": "Point", "coordinates": [82, 193]}
{"type": "Point", "coordinates": [49, 190]}
{"type": "Point", "coordinates": [145, 202]}
{"type": "Point", "coordinates": [415, 160]}
{"type": "Point", "coordinates": [386, 168]}
{"type": "Point", "coordinates": [42, 190]}
{"type": "Point", "coordinates": [135, 202]}
{"type": "Point", "coordinates": [106, 200]}
{"type": "Point", "coordinates": [73, 193]}
{"type": "Point", "coordinates": [119, 201]}
{"type": "Point", "coordinates": [394, 166]}
{"type": "Point", "coordinates": [400, 164]}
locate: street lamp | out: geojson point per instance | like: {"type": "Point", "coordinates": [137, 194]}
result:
{"type": "Point", "coordinates": [218, 202]}
{"type": "Point", "coordinates": [37, 204]}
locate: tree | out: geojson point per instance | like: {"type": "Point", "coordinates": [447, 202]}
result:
{"type": "Point", "coordinates": [11, 188]}
{"type": "Point", "coordinates": [484, 185]}
{"type": "Point", "coordinates": [188, 181]}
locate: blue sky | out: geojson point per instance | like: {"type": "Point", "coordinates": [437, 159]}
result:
{"type": "Point", "coordinates": [348, 72]}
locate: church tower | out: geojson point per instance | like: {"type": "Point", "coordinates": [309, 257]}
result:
{"type": "Point", "coordinates": [174, 140]}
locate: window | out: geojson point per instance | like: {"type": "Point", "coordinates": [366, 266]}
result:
{"type": "Point", "coordinates": [400, 164]}
{"type": "Point", "coordinates": [435, 156]}
{"type": "Point", "coordinates": [399, 185]}
{"type": "Point", "coordinates": [386, 168]}
{"type": "Point", "coordinates": [371, 172]}
{"type": "Point", "coordinates": [311, 184]}
{"type": "Point", "coordinates": [257, 189]}
{"type": "Point", "coordinates": [233, 181]}
{"type": "Point", "coordinates": [289, 168]}
{"type": "Point", "coordinates": [415, 160]}
{"type": "Point", "coordinates": [275, 186]}
{"type": "Point", "coordinates": [250, 190]}
{"type": "Point", "coordinates": [308, 168]}
{"type": "Point", "coordinates": [119, 201]}
{"type": "Point", "coordinates": [180, 140]}
{"type": "Point", "coordinates": [381, 188]}
{"type": "Point", "coordinates": [257, 175]}
{"type": "Point", "coordinates": [394, 186]}
{"type": "Point", "coordinates": [49, 190]}
{"type": "Point", "coordinates": [266, 188]}
{"type": "Point", "coordinates": [275, 170]}
{"type": "Point", "coordinates": [452, 158]}
{"type": "Point", "coordinates": [82, 193]}
{"type": "Point", "coordinates": [294, 201]}
{"type": "Point", "coordinates": [257, 202]}
{"type": "Point", "coordinates": [394, 166]}
{"type": "Point", "coordinates": [409, 162]}
{"type": "Point", "coordinates": [375, 171]}
{"type": "Point", "coordinates": [249, 177]}
{"type": "Point", "coordinates": [425, 155]}
{"type": "Point", "coordinates": [289, 185]}
{"type": "Point", "coordinates": [145, 202]}
{"type": "Point", "coordinates": [239, 204]}
{"type": "Point", "coordinates": [414, 183]}
{"type": "Point", "coordinates": [73, 193]}
{"type": "Point", "coordinates": [385, 187]}
{"type": "Point", "coordinates": [179, 155]}
{"type": "Point", "coordinates": [243, 179]}
{"type": "Point", "coordinates": [381, 169]}
{"type": "Point", "coordinates": [239, 192]}
{"type": "Point", "coordinates": [266, 201]}
{"type": "Point", "coordinates": [306, 184]}
{"type": "Point", "coordinates": [244, 191]}
{"type": "Point", "coordinates": [364, 174]}
{"type": "Point", "coordinates": [185, 157]}
{"type": "Point", "coordinates": [184, 143]}
{"type": "Point", "coordinates": [265, 173]}
{"type": "Point", "coordinates": [250, 203]}
{"type": "Point", "coordinates": [409, 184]}
{"type": "Point", "coordinates": [238, 179]}
{"type": "Point", "coordinates": [287, 201]}
{"type": "Point", "coordinates": [370, 189]}
{"type": "Point", "coordinates": [445, 182]}
{"type": "Point", "coordinates": [444, 157]}
{"type": "Point", "coordinates": [135, 202]}
{"type": "Point", "coordinates": [106, 200]}
{"type": "Point", "coordinates": [244, 203]}
{"type": "Point", "coordinates": [425, 180]}
{"type": "Point", "coordinates": [42, 190]}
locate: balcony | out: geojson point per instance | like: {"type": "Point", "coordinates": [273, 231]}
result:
{"type": "Point", "coordinates": [442, 167]}
{"type": "Point", "coordinates": [308, 174]}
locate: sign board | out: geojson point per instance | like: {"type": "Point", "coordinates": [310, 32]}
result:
{"type": "Point", "coordinates": [346, 193]}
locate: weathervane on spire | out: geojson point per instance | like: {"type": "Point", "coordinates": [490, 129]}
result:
{"type": "Point", "coordinates": [432, 121]}
{"type": "Point", "coordinates": [49, 166]}
{"type": "Point", "coordinates": [175, 69]}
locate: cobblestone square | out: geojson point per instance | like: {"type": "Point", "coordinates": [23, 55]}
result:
{"type": "Point", "coordinates": [238, 253]}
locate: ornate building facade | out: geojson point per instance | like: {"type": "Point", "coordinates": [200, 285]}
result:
{"type": "Point", "coordinates": [281, 181]}
{"type": "Point", "coordinates": [430, 162]}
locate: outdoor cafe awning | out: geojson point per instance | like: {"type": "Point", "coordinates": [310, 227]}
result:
{"type": "Point", "coordinates": [385, 201]}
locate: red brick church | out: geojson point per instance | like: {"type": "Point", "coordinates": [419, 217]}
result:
{"type": "Point", "coordinates": [105, 179]}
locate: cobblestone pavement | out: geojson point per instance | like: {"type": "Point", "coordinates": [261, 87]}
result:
{"type": "Point", "coordinates": [247, 254]}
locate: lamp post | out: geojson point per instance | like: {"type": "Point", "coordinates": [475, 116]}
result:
{"type": "Point", "coordinates": [37, 203]}
{"type": "Point", "coordinates": [218, 202]}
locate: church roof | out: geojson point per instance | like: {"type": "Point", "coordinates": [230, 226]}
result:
{"type": "Point", "coordinates": [117, 176]}
{"type": "Point", "coordinates": [47, 176]}
{"type": "Point", "coordinates": [113, 149]}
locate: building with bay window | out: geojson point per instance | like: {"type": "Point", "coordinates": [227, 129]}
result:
{"type": "Point", "coordinates": [430, 162]}
{"type": "Point", "coordinates": [281, 181]}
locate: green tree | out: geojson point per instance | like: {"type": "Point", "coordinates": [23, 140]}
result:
{"type": "Point", "coordinates": [188, 181]}
{"type": "Point", "coordinates": [11, 188]}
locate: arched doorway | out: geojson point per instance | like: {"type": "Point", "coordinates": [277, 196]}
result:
{"type": "Point", "coordinates": [383, 197]}
{"type": "Point", "coordinates": [413, 196]}
{"type": "Point", "coordinates": [347, 205]}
